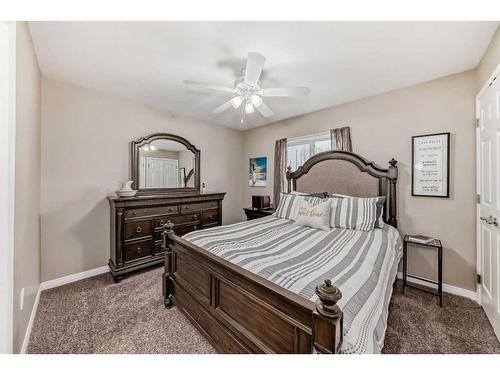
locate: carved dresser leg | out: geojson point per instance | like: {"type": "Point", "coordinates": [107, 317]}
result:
{"type": "Point", "coordinates": [328, 320]}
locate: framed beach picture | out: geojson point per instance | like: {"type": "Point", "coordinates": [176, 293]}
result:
{"type": "Point", "coordinates": [431, 165]}
{"type": "Point", "coordinates": [257, 172]}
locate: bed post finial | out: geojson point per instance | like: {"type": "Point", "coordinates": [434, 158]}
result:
{"type": "Point", "coordinates": [168, 229]}
{"type": "Point", "coordinates": [328, 319]}
{"type": "Point", "coordinates": [328, 295]}
{"type": "Point", "coordinates": [393, 177]}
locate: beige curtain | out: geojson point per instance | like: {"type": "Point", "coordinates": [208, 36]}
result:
{"type": "Point", "coordinates": [341, 139]}
{"type": "Point", "coordinates": [280, 161]}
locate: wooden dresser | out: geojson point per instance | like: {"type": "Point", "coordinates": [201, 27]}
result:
{"type": "Point", "coordinates": [136, 225]}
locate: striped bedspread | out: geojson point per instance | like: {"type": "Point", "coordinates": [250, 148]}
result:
{"type": "Point", "coordinates": [362, 264]}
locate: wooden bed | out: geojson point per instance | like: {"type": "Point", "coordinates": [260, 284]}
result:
{"type": "Point", "coordinates": [240, 312]}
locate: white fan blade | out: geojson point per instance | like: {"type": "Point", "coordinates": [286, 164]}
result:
{"type": "Point", "coordinates": [286, 91]}
{"type": "Point", "coordinates": [222, 107]}
{"type": "Point", "coordinates": [204, 86]}
{"type": "Point", "coordinates": [265, 110]}
{"type": "Point", "coordinates": [255, 63]}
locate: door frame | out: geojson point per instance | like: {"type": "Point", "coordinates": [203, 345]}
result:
{"type": "Point", "coordinates": [7, 176]}
{"type": "Point", "coordinates": [479, 270]}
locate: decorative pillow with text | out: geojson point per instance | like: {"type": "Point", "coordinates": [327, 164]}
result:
{"type": "Point", "coordinates": [314, 215]}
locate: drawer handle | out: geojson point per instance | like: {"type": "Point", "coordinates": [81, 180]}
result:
{"type": "Point", "coordinates": [134, 213]}
{"type": "Point", "coordinates": [187, 207]}
{"type": "Point", "coordinates": [195, 227]}
{"type": "Point", "coordinates": [139, 250]}
{"type": "Point", "coordinates": [138, 230]}
{"type": "Point", "coordinates": [162, 222]}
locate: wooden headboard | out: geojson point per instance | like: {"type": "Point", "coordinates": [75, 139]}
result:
{"type": "Point", "coordinates": [343, 172]}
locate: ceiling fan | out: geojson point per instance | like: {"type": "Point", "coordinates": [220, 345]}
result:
{"type": "Point", "coordinates": [247, 93]}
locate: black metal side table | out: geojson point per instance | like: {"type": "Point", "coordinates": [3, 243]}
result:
{"type": "Point", "coordinates": [439, 247]}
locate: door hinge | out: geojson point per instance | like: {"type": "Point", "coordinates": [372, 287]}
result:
{"type": "Point", "coordinates": [477, 123]}
{"type": "Point", "coordinates": [478, 279]}
{"type": "Point", "coordinates": [478, 198]}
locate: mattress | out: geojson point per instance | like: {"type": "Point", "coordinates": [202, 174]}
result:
{"type": "Point", "coordinates": [363, 265]}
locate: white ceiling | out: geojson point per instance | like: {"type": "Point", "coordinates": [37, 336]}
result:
{"type": "Point", "coordinates": [339, 61]}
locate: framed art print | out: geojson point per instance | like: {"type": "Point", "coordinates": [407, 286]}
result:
{"type": "Point", "coordinates": [431, 165]}
{"type": "Point", "coordinates": [257, 172]}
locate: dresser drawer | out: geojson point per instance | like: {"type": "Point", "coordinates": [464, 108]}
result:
{"type": "Point", "coordinates": [138, 250]}
{"type": "Point", "coordinates": [150, 211]}
{"type": "Point", "coordinates": [199, 206]}
{"type": "Point", "coordinates": [138, 229]}
{"type": "Point", "coordinates": [210, 216]}
{"type": "Point", "coordinates": [178, 219]}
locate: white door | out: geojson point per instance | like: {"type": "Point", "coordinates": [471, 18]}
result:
{"type": "Point", "coordinates": [161, 173]}
{"type": "Point", "coordinates": [171, 173]}
{"type": "Point", "coordinates": [142, 172]}
{"type": "Point", "coordinates": [489, 206]}
{"type": "Point", "coordinates": [155, 177]}
{"type": "Point", "coordinates": [7, 176]}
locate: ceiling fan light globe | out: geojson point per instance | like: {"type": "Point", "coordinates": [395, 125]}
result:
{"type": "Point", "coordinates": [249, 108]}
{"type": "Point", "coordinates": [256, 100]}
{"type": "Point", "coordinates": [236, 102]}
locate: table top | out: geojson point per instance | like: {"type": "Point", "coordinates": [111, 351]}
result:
{"type": "Point", "coordinates": [435, 242]}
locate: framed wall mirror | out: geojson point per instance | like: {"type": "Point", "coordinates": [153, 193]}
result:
{"type": "Point", "coordinates": [164, 163]}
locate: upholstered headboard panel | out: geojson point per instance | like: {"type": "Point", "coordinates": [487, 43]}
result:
{"type": "Point", "coordinates": [347, 173]}
{"type": "Point", "coordinates": [338, 176]}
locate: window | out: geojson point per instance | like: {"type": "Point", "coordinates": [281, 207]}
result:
{"type": "Point", "coordinates": [302, 148]}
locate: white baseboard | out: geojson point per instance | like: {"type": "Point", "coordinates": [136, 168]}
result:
{"type": "Point", "coordinates": [72, 278]}
{"type": "Point", "coordinates": [446, 288]}
{"type": "Point", "coordinates": [52, 284]}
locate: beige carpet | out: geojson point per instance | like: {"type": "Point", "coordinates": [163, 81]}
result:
{"type": "Point", "coordinates": [98, 316]}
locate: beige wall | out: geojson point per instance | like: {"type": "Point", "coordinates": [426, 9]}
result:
{"type": "Point", "coordinates": [27, 183]}
{"type": "Point", "coordinates": [381, 128]}
{"type": "Point", "coordinates": [490, 59]}
{"type": "Point", "coordinates": [85, 144]}
{"type": "Point", "coordinates": [85, 137]}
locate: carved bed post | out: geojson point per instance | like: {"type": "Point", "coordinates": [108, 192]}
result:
{"type": "Point", "coordinates": [288, 179]}
{"type": "Point", "coordinates": [393, 177]}
{"type": "Point", "coordinates": [168, 228]}
{"type": "Point", "coordinates": [328, 320]}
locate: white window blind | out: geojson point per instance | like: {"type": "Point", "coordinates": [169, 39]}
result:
{"type": "Point", "coordinates": [302, 148]}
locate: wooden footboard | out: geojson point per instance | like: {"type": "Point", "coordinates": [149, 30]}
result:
{"type": "Point", "coordinates": [240, 312]}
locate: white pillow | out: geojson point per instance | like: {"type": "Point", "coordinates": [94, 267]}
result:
{"type": "Point", "coordinates": [289, 205]}
{"type": "Point", "coordinates": [314, 215]}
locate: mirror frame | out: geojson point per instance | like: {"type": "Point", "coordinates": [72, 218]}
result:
{"type": "Point", "coordinates": [135, 145]}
